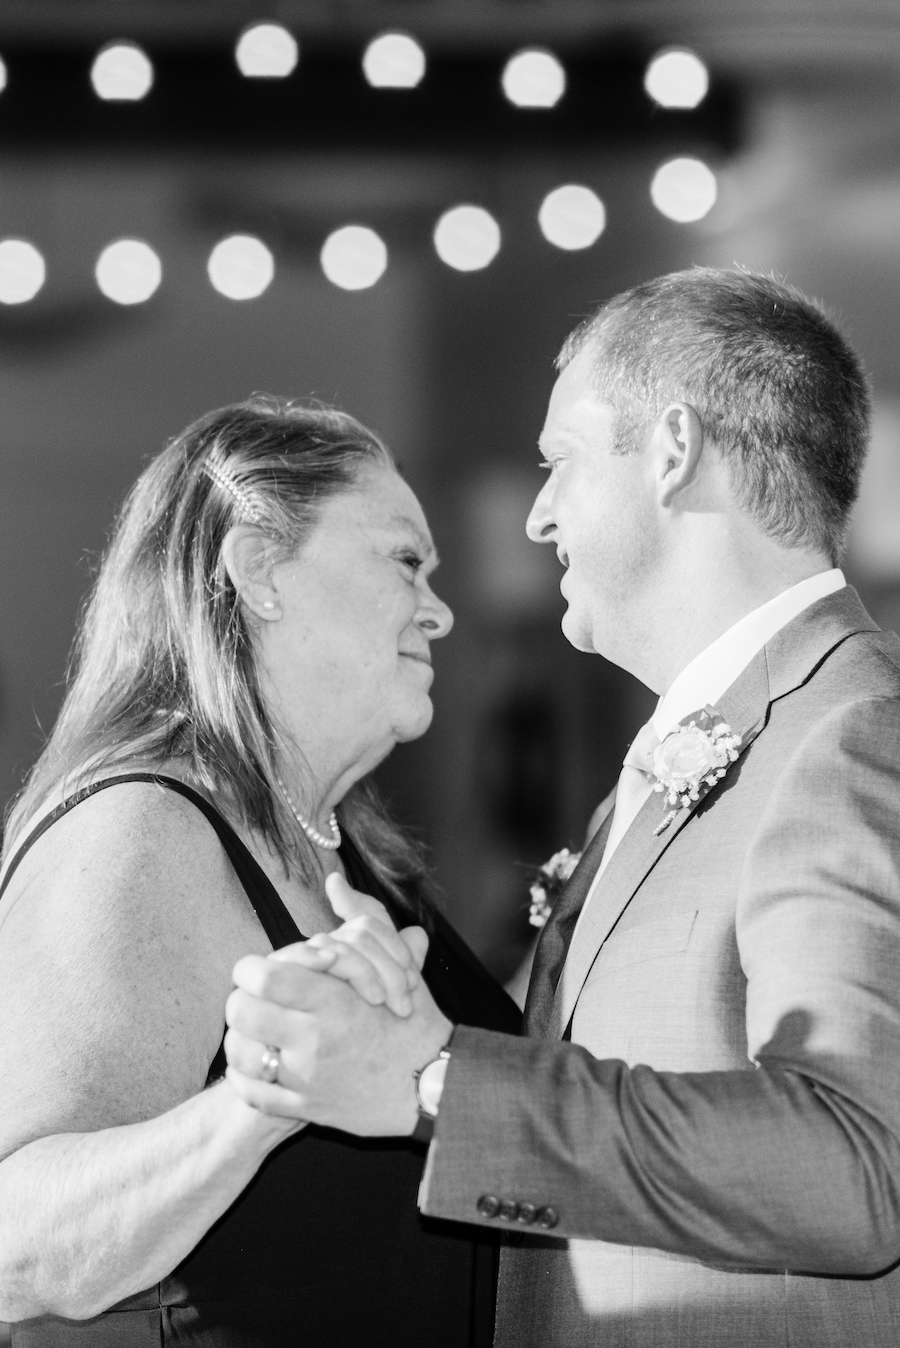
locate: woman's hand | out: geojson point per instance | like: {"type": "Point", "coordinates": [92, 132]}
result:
{"type": "Point", "coordinates": [379, 962]}
{"type": "Point", "coordinates": [382, 966]}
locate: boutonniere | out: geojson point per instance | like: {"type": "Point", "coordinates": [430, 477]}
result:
{"type": "Point", "coordinates": [548, 884]}
{"type": "Point", "coordinates": [691, 759]}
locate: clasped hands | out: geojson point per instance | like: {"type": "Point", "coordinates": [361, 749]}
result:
{"type": "Point", "coordinates": [351, 1017]}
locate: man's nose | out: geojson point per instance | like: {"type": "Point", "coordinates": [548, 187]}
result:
{"type": "Point", "coordinates": [540, 518]}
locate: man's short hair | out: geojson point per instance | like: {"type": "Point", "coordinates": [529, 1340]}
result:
{"type": "Point", "coordinates": [774, 383]}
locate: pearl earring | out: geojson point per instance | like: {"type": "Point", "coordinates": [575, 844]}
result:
{"type": "Point", "coordinates": [267, 603]}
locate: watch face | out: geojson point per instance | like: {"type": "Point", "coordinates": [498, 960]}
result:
{"type": "Point", "coordinates": [430, 1085]}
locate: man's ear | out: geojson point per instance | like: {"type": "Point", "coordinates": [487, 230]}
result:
{"type": "Point", "coordinates": [248, 556]}
{"type": "Point", "coordinates": [679, 449]}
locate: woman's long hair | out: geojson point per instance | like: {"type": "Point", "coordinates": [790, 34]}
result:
{"type": "Point", "coordinates": [163, 668]}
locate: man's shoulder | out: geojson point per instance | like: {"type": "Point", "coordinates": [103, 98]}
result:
{"type": "Point", "coordinates": [862, 667]}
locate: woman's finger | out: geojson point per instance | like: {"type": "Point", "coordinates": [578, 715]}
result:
{"type": "Point", "coordinates": [361, 958]}
{"type": "Point", "coordinates": [276, 1022]}
{"type": "Point", "coordinates": [267, 1097]}
{"type": "Point", "coordinates": [362, 910]}
{"type": "Point", "coordinates": [305, 953]}
{"type": "Point", "coordinates": [348, 903]}
{"type": "Point", "coordinates": [416, 942]}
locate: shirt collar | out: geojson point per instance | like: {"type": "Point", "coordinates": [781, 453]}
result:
{"type": "Point", "coordinates": [715, 669]}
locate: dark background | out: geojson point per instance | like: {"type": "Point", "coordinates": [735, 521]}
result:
{"type": "Point", "coordinates": [801, 126]}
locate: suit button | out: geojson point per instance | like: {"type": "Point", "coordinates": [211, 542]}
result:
{"type": "Point", "coordinates": [509, 1210]}
{"type": "Point", "coordinates": [488, 1205]}
{"type": "Point", "coordinates": [526, 1214]}
{"type": "Point", "coordinates": [547, 1218]}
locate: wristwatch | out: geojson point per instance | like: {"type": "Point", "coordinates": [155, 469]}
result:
{"type": "Point", "coordinates": [429, 1083]}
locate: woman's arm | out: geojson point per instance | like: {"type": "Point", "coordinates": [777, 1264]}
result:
{"type": "Point", "coordinates": [117, 938]}
{"type": "Point", "coordinates": [87, 1219]}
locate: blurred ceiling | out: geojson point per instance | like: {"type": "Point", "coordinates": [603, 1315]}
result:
{"type": "Point", "coordinates": [753, 36]}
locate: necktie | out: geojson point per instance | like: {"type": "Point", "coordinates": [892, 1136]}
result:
{"type": "Point", "coordinates": [633, 788]}
{"type": "Point", "coordinates": [635, 785]}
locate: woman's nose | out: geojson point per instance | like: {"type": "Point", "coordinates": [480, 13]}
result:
{"type": "Point", "coordinates": [540, 517]}
{"type": "Point", "coordinates": [434, 617]}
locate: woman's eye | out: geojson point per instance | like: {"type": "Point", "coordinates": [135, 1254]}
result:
{"type": "Point", "coordinates": [412, 560]}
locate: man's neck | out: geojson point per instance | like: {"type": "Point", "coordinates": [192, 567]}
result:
{"type": "Point", "coordinates": [692, 613]}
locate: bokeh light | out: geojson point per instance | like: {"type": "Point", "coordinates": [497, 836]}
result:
{"type": "Point", "coordinates": [394, 61]}
{"type": "Point", "coordinates": [4, 77]}
{"type": "Point", "coordinates": [266, 52]}
{"type": "Point", "coordinates": [467, 238]}
{"type": "Point", "coordinates": [354, 257]}
{"type": "Point", "coordinates": [534, 78]}
{"type": "Point", "coordinates": [677, 78]}
{"type": "Point", "coordinates": [572, 217]}
{"type": "Point", "coordinates": [241, 267]}
{"type": "Point", "coordinates": [22, 271]}
{"type": "Point", "coordinates": [128, 271]}
{"type": "Point", "coordinates": [122, 73]}
{"type": "Point", "coordinates": [684, 189]}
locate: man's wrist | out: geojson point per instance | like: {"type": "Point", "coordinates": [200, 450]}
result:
{"type": "Point", "coordinates": [429, 1086]}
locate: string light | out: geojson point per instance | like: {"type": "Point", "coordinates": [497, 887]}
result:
{"type": "Point", "coordinates": [572, 217]}
{"type": "Point", "coordinates": [121, 73]}
{"type": "Point", "coordinates": [266, 51]}
{"type": "Point", "coordinates": [467, 238]}
{"type": "Point", "coordinates": [394, 61]}
{"type": "Point", "coordinates": [534, 78]}
{"type": "Point", "coordinates": [354, 257]}
{"type": "Point", "coordinates": [684, 189]}
{"type": "Point", "coordinates": [677, 78]}
{"type": "Point", "coordinates": [22, 271]}
{"type": "Point", "coordinates": [241, 267]}
{"type": "Point", "coordinates": [128, 271]}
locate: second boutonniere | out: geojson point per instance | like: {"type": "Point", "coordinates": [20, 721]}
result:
{"type": "Point", "coordinates": [691, 759]}
{"type": "Point", "coordinates": [549, 883]}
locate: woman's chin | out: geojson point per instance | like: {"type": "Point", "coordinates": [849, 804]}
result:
{"type": "Point", "coordinates": [416, 723]}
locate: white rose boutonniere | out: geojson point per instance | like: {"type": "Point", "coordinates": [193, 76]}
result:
{"type": "Point", "coordinates": [691, 759]}
{"type": "Point", "coordinates": [548, 884]}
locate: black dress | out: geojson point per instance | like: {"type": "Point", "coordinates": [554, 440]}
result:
{"type": "Point", "coordinates": [325, 1245]}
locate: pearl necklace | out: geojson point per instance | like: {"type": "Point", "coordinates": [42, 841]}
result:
{"type": "Point", "coordinates": [329, 844]}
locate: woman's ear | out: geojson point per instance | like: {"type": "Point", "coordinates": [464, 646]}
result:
{"type": "Point", "coordinates": [679, 445]}
{"type": "Point", "coordinates": [248, 557]}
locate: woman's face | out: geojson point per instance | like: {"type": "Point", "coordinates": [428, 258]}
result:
{"type": "Point", "coordinates": [347, 664]}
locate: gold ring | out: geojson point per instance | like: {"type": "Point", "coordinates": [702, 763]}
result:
{"type": "Point", "coordinates": [271, 1061]}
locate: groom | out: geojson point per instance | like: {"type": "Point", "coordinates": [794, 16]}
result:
{"type": "Point", "coordinates": [698, 1143]}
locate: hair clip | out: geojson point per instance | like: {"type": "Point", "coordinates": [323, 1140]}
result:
{"type": "Point", "coordinates": [218, 472]}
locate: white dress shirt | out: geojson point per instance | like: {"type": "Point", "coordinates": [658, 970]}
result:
{"type": "Point", "coordinates": [711, 673]}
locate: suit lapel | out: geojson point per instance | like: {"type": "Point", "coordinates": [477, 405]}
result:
{"type": "Point", "coordinates": [744, 707]}
{"type": "Point", "coordinates": [782, 665]}
{"type": "Point", "coordinates": [550, 954]}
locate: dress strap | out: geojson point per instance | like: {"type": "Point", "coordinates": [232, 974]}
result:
{"type": "Point", "coordinates": [265, 900]}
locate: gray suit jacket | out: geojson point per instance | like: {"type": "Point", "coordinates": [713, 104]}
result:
{"type": "Point", "coordinates": [720, 1140]}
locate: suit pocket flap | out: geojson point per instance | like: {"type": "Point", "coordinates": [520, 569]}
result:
{"type": "Point", "coordinates": [649, 941]}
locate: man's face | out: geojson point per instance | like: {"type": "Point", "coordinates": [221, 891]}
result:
{"type": "Point", "coordinates": [597, 508]}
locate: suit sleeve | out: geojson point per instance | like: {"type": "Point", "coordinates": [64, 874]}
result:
{"type": "Point", "coordinates": [794, 1165]}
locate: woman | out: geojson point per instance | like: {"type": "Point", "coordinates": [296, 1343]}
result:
{"type": "Point", "coordinates": [257, 642]}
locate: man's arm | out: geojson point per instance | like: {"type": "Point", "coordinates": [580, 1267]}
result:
{"type": "Point", "coordinates": [796, 1164]}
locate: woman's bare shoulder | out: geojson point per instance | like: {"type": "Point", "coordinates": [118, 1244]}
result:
{"type": "Point", "coordinates": [135, 834]}
{"type": "Point", "coordinates": [124, 921]}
